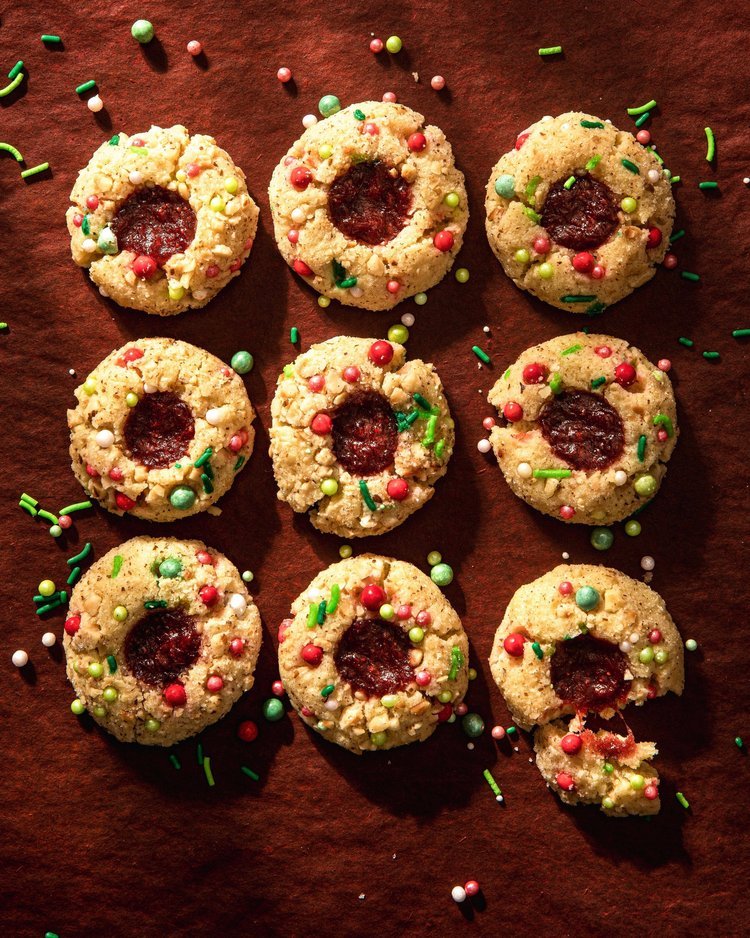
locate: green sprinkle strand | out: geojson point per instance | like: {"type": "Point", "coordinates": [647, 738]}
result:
{"type": "Point", "coordinates": [511, 731]}
{"type": "Point", "coordinates": [294, 335]}
{"type": "Point", "coordinates": [404, 421]}
{"type": "Point", "coordinates": [708, 185]}
{"type": "Point", "coordinates": [683, 800]}
{"type": "Point", "coordinates": [457, 660]}
{"type": "Point", "coordinates": [422, 401]}
{"type": "Point", "coordinates": [322, 612]}
{"type": "Point", "coordinates": [116, 566]}
{"type": "Point", "coordinates": [29, 500]}
{"type": "Point", "coordinates": [740, 333]}
{"type": "Point", "coordinates": [571, 349]}
{"type": "Point", "coordinates": [8, 89]}
{"type": "Point", "coordinates": [112, 663]}
{"type": "Point", "coordinates": [47, 38]}
{"type": "Point", "coordinates": [366, 497]}
{"type": "Point", "coordinates": [481, 354]}
{"type": "Point", "coordinates": [333, 602]}
{"type": "Point", "coordinates": [175, 761]}
{"type": "Point", "coordinates": [34, 171]}
{"type": "Point", "coordinates": [82, 555]}
{"type": "Point", "coordinates": [552, 473]}
{"type": "Point", "coordinates": [439, 447]}
{"type": "Point", "coordinates": [239, 464]}
{"type": "Point", "coordinates": [633, 111]}
{"type": "Point", "coordinates": [531, 214]}
{"type": "Point", "coordinates": [596, 309]}
{"type": "Point", "coordinates": [28, 508]}
{"type": "Point", "coordinates": [532, 186]}
{"type": "Point", "coordinates": [711, 356]}
{"type": "Point", "coordinates": [204, 457]}
{"type": "Point", "coordinates": [643, 118]}
{"type": "Point", "coordinates": [677, 235]}
{"type": "Point", "coordinates": [630, 166]}
{"type": "Point", "coordinates": [688, 275]}
{"type": "Point", "coordinates": [489, 778]}
{"type": "Point", "coordinates": [142, 151]}
{"type": "Point", "coordinates": [593, 162]}
{"type": "Point", "coordinates": [569, 182]}
{"type": "Point", "coordinates": [327, 690]}
{"type": "Point", "coordinates": [688, 343]}
{"type": "Point", "coordinates": [664, 421]}
{"type": "Point", "coordinates": [208, 485]}
{"type": "Point", "coordinates": [86, 224]}
{"type": "Point", "coordinates": [113, 141]}
{"type": "Point", "coordinates": [656, 156]}
{"type": "Point", "coordinates": [49, 607]}
{"type": "Point", "coordinates": [710, 144]}
{"type": "Point", "coordinates": [249, 772]}
{"type": "Point", "coordinates": [537, 649]}
{"type": "Point", "coordinates": [13, 152]}
{"type": "Point", "coordinates": [78, 506]}
{"type": "Point", "coordinates": [429, 437]}
{"type": "Point", "coordinates": [598, 125]}
{"type": "Point", "coordinates": [675, 179]}
{"type": "Point", "coordinates": [598, 382]}
{"type": "Point", "coordinates": [555, 383]}
{"type": "Point", "coordinates": [199, 753]}
{"type": "Point", "coordinates": [73, 576]}
{"type": "Point", "coordinates": [577, 298]}
{"type": "Point", "coordinates": [16, 69]}
{"type": "Point", "coordinates": [208, 772]}
{"type": "Point", "coordinates": [312, 616]}
{"type": "Point", "coordinates": [155, 604]}
{"type": "Point", "coordinates": [47, 515]}
{"type": "Point", "coordinates": [551, 50]}
{"type": "Point", "coordinates": [738, 741]}
{"type": "Point", "coordinates": [86, 86]}
{"type": "Point", "coordinates": [641, 448]}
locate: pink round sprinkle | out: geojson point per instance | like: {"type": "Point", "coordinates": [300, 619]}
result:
{"type": "Point", "coordinates": [670, 261]}
{"type": "Point", "coordinates": [293, 235]}
{"type": "Point", "coordinates": [78, 220]}
{"type": "Point", "coordinates": [316, 383]}
{"type": "Point", "coordinates": [565, 588]}
{"type": "Point", "coordinates": [214, 683]}
{"type": "Point", "coordinates": [278, 688]}
{"type": "Point", "coordinates": [212, 271]}
{"type": "Point", "coordinates": [92, 203]}
{"type": "Point", "coordinates": [390, 97]}
{"type": "Point", "coordinates": [498, 732]}
{"type": "Point", "coordinates": [351, 374]}
{"type": "Point", "coordinates": [437, 83]}
{"type": "Point", "coordinates": [393, 286]}
{"type": "Point", "coordinates": [403, 612]}
{"type": "Point", "coordinates": [376, 45]}
{"type": "Point", "coordinates": [192, 169]}
{"type": "Point", "coordinates": [597, 272]}
{"type": "Point", "coordinates": [643, 136]}
{"type": "Point", "coordinates": [65, 521]}
{"type": "Point", "coordinates": [194, 47]}
{"type": "Point", "coordinates": [542, 245]}
{"type": "Point", "coordinates": [662, 436]}
{"type": "Point", "coordinates": [603, 351]}
{"type": "Point", "coordinates": [654, 636]}
{"type": "Point", "coordinates": [424, 618]}
{"type": "Point", "coordinates": [423, 678]}
{"type": "Point", "coordinates": [664, 364]}
{"type": "Point", "coordinates": [488, 423]}
{"type": "Point", "coordinates": [284, 75]}
{"type": "Point", "coordinates": [371, 128]}
{"type": "Point", "coordinates": [461, 710]}
{"type": "Point", "coordinates": [651, 792]}
{"type": "Point", "coordinates": [567, 512]}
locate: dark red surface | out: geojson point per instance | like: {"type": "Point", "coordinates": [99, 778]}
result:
{"type": "Point", "coordinates": [369, 205]}
{"type": "Point", "coordinates": [104, 838]}
{"type": "Point", "coordinates": [158, 430]}
{"type": "Point", "coordinates": [581, 217]}
{"type": "Point", "coordinates": [154, 222]}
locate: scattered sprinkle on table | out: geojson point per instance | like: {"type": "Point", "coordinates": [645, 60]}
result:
{"type": "Point", "coordinates": [175, 761]}
{"type": "Point", "coordinates": [711, 356]}
{"type": "Point", "coordinates": [13, 152]}
{"type": "Point", "coordinates": [86, 86]}
{"type": "Point", "coordinates": [209, 773]}
{"type": "Point", "coordinates": [481, 354]}
{"type": "Point", "coordinates": [649, 106]}
{"type": "Point", "coordinates": [4, 92]}
{"type": "Point", "coordinates": [738, 741]}
{"type": "Point", "coordinates": [249, 772]}
{"type": "Point", "coordinates": [34, 171]}
{"type": "Point", "coordinates": [689, 275]}
{"type": "Point", "coordinates": [683, 800]}
{"type": "Point", "coordinates": [688, 343]}
{"type": "Point", "coordinates": [711, 144]}
{"type": "Point", "coordinates": [551, 50]}
{"type": "Point", "coordinates": [294, 335]}
{"type": "Point", "coordinates": [677, 235]}
{"type": "Point", "coordinates": [643, 118]}
{"type": "Point", "coordinates": [710, 184]}
{"type": "Point", "coordinates": [53, 39]}
{"type": "Point", "coordinates": [16, 69]}
{"type": "Point", "coordinates": [740, 333]}
{"type": "Point", "coordinates": [493, 785]}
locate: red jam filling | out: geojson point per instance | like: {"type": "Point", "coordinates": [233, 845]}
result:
{"type": "Point", "coordinates": [368, 204]}
{"type": "Point", "coordinates": [609, 745]}
{"type": "Point", "coordinates": [155, 222]}
{"type": "Point", "coordinates": [159, 429]}
{"type": "Point", "coordinates": [582, 429]}
{"type": "Point", "coordinates": [365, 433]}
{"type": "Point", "coordinates": [582, 217]}
{"type": "Point", "coordinates": [589, 673]}
{"type": "Point", "coordinates": [373, 657]}
{"type": "Point", "coordinates": [161, 646]}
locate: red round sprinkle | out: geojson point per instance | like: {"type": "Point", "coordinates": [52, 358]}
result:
{"type": "Point", "coordinates": [284, 75]}
{"type": "Point", "coordinates": [371, 128]}
{"type": "Point", "coordinates": [513, 411]}
{"type": "Point", "coordinates": [651, 792]}
{"type": "Point", "coordinates": [461, 710]}
{"type": "Point", "coordinates": [416, 142]}
{"type": "Point", "coordinates": [643, 136]}
{"type": "Point", "coordinates": [235, 443]}
{"type": "Point", "coordinates": [92, 202]}
{"type": "Point", "coordinates": [424, 618]}
{"type": "Point", "coordinates": [138, 142]}
{"type": "Point", "coordinates": [247, 731]}
{"type": "Point", "coordinates": [654, 238]}
{"type": "Point", "coordinates": [662, 436]}
{"type": "Point", "coordinates": [603, 351]}
{"type": "Point", "coordinates": [78, 220]}
{"type": "Point", "coordinates": [192, 169]}
{"type": "Point", "coordinates": [312, 654]}
{"type": "Point", "coordinates": [237, 647]}
{"type": "Point", "coordinates": [521, 139]}
{"type": "Point", "coordinates": [567, 512]}
{"type": "Point", "coordinates": [498, 732]}
{"type": "Point", "coordinates": [300, 177]}
{"type": "Point", "coordinates": [513, 644]}
{"type": "Point", "coordinates": [583, 262]}
{"type": "Point", "coordinates": [654, 636]}
{"type": "Point", "coordinates": [397, 489]}
{"type": "Point", "coordinates": [212, 271]}
{"type": "Point", "coordinates": [664, 364]}
{"type": "Point", "coordinates": [144, 266]}
{"type": "Point", "coordinates": [445, 714]}
{"type": "Point", "coordinates": [235, 265]}
{"type": "Point", "coordinates": [72, 624]}
{"type": "Point", "coordinates": [488, 423]}
{"type": "Point", "coordinates": [403, 612]}
{"type": "Point", "coordinates": [123, 502]}
{"type": "Point", "coordinates": [380, 353]}
{"type": "Point", "coordinates": [316, 383]}
{"type": "Point", "coordinates": [175, 695]}
{"type": "Point", "coordinates": [208, 595]}
{"type": "Point", "coordinates": [472, 887]}
{"type": "Point", "coordinates": [306, 712]}
{"type": "Point", "coordinates": [535, 373]}
{"type": "Point", "coordinates": [652, 692]}
{"type": "Point", "coordinates": [203, 556]}
{"type": "Point", "coordinates": [301, 268]}
{"type": "Point", "coordinates": [284, 627]}
{"type": "Point", "coordinates": [293, 235]}
{"type": "Point", "coordinates": [321, 424]}
{"type": "Point", "coordinates": [393, 286]}
{"type": "Point", "coordinates": [116, 474]}
{"type": "Point", "coordinates": [389, 96]}
{"type": "Point", "coordinates": [351, 374]}
{"type": "Point", "coordinates": [215, 683]}
{"type": "Point", "coordinates": [373, 597]}
{"type": "Point", "coordinates": [565, 588]}
{"type": "Point", "coordinates": [571, 744]}
{"type": "Point", "coordinates": [625, 374]}
{"type": "Point", "coordinates": [597, 272]}
{"type": "Point", "coordinates": [423, 678]}
{"type": "Point", "coordinates": [670, 261]}
{"type": "Point", "coordinates": [542, 245]}
{"type": "Point", "coordinates": [131, 355]}
{"type": "Point", "coordinates": [376, 45]}
{"type": "Point", "coordinates": [65, 521]}
{"type": "Point", "coordinates": [278, 688]}
{"type": "Point", "coordinates": [443, 240]}
{"type": "Point", "coordinates": [565, 781]}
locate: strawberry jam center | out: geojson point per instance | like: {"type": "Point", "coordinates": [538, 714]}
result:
{"type": "Point", "coordinates": [159, 429]}
{"type": "Point", "coordinates": [589, 673]}
{"type": "Point", "coordinates": [582, 429]}
{"type": "Point", "coordinates": [161, 646]}
{"type": "Point", "coordinates": [582, 217]}
{"type": "Point", "coordinates": [373, 657]}
{"type": "Point", "coordinates": [365, 433]}
{"type": "Point", "coordinates": [155, 222]}
{"type": "Point", "coordinates": [368, 204]}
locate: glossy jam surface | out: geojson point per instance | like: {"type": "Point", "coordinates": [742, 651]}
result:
{"type": "Point", "coordinates": [583, 429]}
{"type": "Point", "coordinates": [589, 673]}
{"type": "Point", "coordinates": [365, 433]}
{"type": "Point", "coordinates": [158, 430]}
{"type": "Point", "coordinates": [368, 204]}
{"type": "Point", "coordinates": [155, 222]}
{"type": "Point", "coordinates": [582, 217]}
{"type": "Point", "coordinates": [162, 645]}
{"type": "Point", "coordinates": [373, 656]}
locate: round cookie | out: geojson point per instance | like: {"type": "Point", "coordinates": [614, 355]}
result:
{"type": "Point", "coordinates": [160, 430]}
{"type": "Point", "coordinates": [162, 220]}
{"type": "Point", "coordinates": [359, 435]}
{"type": "Point", "coordinates": [368, 206]}
{"type": "Point", "coordinates": [584, 639]}
{"type": "Point", "coordinates": [586, 427]}
{"type": "Point", "coordinates": [598, 767]}
{"type": "Point", "coordinates": [161, 639]}
{"type": "Point", "coordinates": [579, 213]}
{"type": "Point", "coordinates": [373, 655]}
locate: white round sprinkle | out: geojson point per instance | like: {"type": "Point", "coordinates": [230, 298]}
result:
{"type": "Point", "coordinates": [470, 745]}
{"type": "Point", "coordinates": [634, 638]}
{"type": "Point", "coordinates": [309, 120]}
{"type": "Point", "coordinates": [484, 446]}
{"type": "Point", "coordinates": [408, 319]}
{"type": "Point", "coordinates": [565, 127]}
{"type": "Point", "coordinates": [105, 438]}
{"type": "Point", "coordinates": [49, 639]}
{"type": "Point", "coordinates": [238, 603]}
{"type": "Point", "coordinates": [621, 477]}
{"type": "Point", "coordinates": [524, 470]}
{"type": "Point", "coordinates": [653, 175]}
{"type": "Point", "coordinates": [214, 416]}
{"type": "Point", "coordinates": [72, 372]}
{"type": "Point", "coordinates": [149, 388]}
{"type": "Point", "coordinates": [89, 245]}
{"type": "Point", "coordinates": [95, 104]}
{"type": "Point", "coordinates": [565, 555]}
{"type": "Point", "coordinates": [298, 215]}
{"type": "Point", "coordinates": [458, 894]}
{"type": "Point", "coordinates": [485, 328]}
{"type": "Point", "coordinates": [331, 704]}
{"type": "Point", "coordinates": [135, 177]}
{"type": "Point", "coordinates": [356, 291]}
{"type": "Point", "coordinates": [746, 180]}
{"type": "Point", "coordinates": [626, 647]}
{"type": "Point", "coordinates": [647, 563]}
{"type": "Point", "coordinates": [20, 658]}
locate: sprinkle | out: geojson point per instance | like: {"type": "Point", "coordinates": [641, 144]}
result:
{"type": "Point", "coordinates": [551, 50]}
{"type": "Point", "coordinates": [532, 186]}
{"type": "Point", "coordinates": [555, 383]}
{"type": "Point", "coordinates": [204, 457]}
{"type": "Point", "coordinates": [312, 616]}
{"type": "Point", "coordinates": [593, 162]}
{"type": "Point", "coordinates": [4, 92]}
{"type": "Point", "coordinates": [78, 506]}
{"type": "Point", "coordinates": [143, 151]}
{"type": "Point", "coordinates": [199, 753]}
{"type": "Point", "coordinates": [209, 773]}
{"type": "Point", "coordinates": [35, 170]}
{"type": "Point", "coordinates": [664, 421]}
{"type": "Point", "coordinates": [740, 333]}
{"type": "Point", "coordinates": [738, 742]}
{"type": "Point", "coordinates": [29, 499]}
{"type": "Point", "coordinates": [47, 515]}
{"type": "Point", "coordinates": [656, 156]}
{"type": "Point", "coordinates": [294, 335]}
{"type": "Point", "coordinates": [16, 69]}
{"type": "Point", "coordinates": [642, 119]}
{"type": "Point", "coordinates": [360, 115]}
{"type": "Point", "coordinates": [439, 447]}
{"type": "Point", "coordinates": [677, 235]}
{"type": "Point", "coordinates": [13, 152]}
{"type": "Point", "coordinates": [74, 575]}
{"type": "Point", "coordinates": [552, 473]}
{"type": "Point", "coordinates": [481, 354]}
{"type": "Point", "coordinates": [598, 382]}
{"type": "Point", "coordinates": [531, 214]}
{"type": "Point", "coordinates": [569, 182]}
{"type": "Point", "coordinates": [629, 165]}
{"type": "Point", "coordinates": [47, 38]}
{"type": "Point", "coordinates": [641, 448]}
{"type": "Point", "coordinates": [48, 607]}
{"type": "Point", "coordinates": [493, 784]}
{"type": "Point", "coordinates": [321, 615]}
{"type": "Point", "coordinates": [429, 437]}
{"type": "Point", "coordinates": [86, 86]}
{"type": "Point", "coordinates": [239, 463]}
{"type": "Point", "coordinates": [711, 144]}
{"type": "Point", "coordinates": [511, 730]}
{"type": "Point", "coordinates": [593, 124]}
{"type": "Point", "coordinates": [28, 508]}
{"type": "Point", "coordinates": [642, 109]}
{"type": "Point", "coordinates": [112, 663]}
{"type": "Point", "coordinates": [113, 141]}
{"type": "Point", "coordinates": [86, 550]}
{"type": "Point", "coordinates": [596, 309]}
{"type": "Point", "coordinates": [683, 800]}
{"type": "Point", "coordinates": [333, 602]}
{"type": "Point", "coordinates": [711, 356]}
{"type": "Point", "coordinates": [116, 566]}
{"type": "Point", "coordinates": [708, 185]}
{"type": "Point", "coordinates": [577, 298]}
{"type": "Point", "coordinates": [422, 401]}
{"type": "Point", "coordinates": [457, 660]}
{"type": "Point", "coordinates": [404, 421]}
{"type": "Point", "coordinates": [537, 649]}
{"type": "Point", "coordinates": [174, 760]}
{"type": "Point", "coordinates": [208, 485]}
{"type": "Point", "coordinates": [687, 275]}
{"type": "Point", "coordinates": [249, 772]}
{"type": "Point", "coordinates": [688, 343]}
{"type": "Point", "coordinates": [327, 690]}
{"type": "Point", "coordinates": [155, 604]}
{"type": "Point", "coordinates": [506, 374]}
{"type": "Point", "coordinates": [675, 179]}
{"type": "Point", "coordinates": [571, 349]}
{"type": "Point", "coordinates": [367, 498]}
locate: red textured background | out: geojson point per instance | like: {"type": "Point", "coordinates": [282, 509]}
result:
{"type": "Point", "coordinates": [108, 839]}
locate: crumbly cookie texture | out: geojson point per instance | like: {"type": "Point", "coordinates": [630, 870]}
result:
{"type": "Point", "coordinates": [143, 576]}
{"type": "Point", "coordinates": [562, 148]}
{"type": "Point", "coordinates": [326, 701]}
{"type": "Point", "coordinates": [602, 603]}
{"type": "Point", "coordinates": [646, 406]}
{"type": "Point", "coordinates": [199, 171]}
{"type": "Point", "coordinates": [608, 769]}
{"type": "Point", "coordinates": [304, 459]}
{"type": "Point", "coordinates": [111, 395]}
{"type": "Point", "coordinates": [358, 274]}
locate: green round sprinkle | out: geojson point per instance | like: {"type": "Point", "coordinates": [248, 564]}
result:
{"type": "Point", "coordinates": [131, 399]}
{"type": "Point", "coordinates": [505, 186]}
{"type": "Point", "coordinates": [607, 804]}
{"type": "Point", "coordinates": [78, 707]}
{"type": "Point", "coordinates": [142, 30]}
{"type": "Point", "coordinates": [473, 725]}
{"type": "Point", "coordinates": [462, 275]}
{"type": "Point", "coordinates": [389, 701]}
{"type": "Point", "coordinates": [242, 362]}
{"type": "Point", "coordinates": [325, 152]}
{"type": "Point", "coordinates": [273, 709]}
{"type": "Point", "coordinates": [587, 598]}
{"type": "Point", "coordinates": [445, 696]}
{"type": "Point", "coordinates": [100, 711]}
{"type": "Point", "coordinates": [110, 694]}
{"type": "Point", "coordinates": [691, 644]}
{"type": "Point", "coordinates": [386, 612]}
{"type": "Point", "coordinates": [329, 487]}
{"type": "Point", "coordinates": [608, 768]}
{"type": "Point", "coordinates": [645, 486]}
{"type": "Point", "coordinates": [452, 200]}
{"type": "Point", "coordinates": [511, 730]}
{"type": "Point", "coordinates": [420, 298]}
{"type": "Point", "coordinates": [661, 656]}
{"type": "Point", "coordinates": [633, 528]}
{"type": "Point", "coordinates": [416, 634]}
{"type": "Point", "coordinates": [152, 725]}
{"type": "Point", "coordinates": [345, 551]}
{"type": "Point", "coordinates": [120, 613]}
{"type": "Point", "coordinates": [55, 530]}
{"type": "Point", "coordinates": [522, 256]}
{"type": "Point", "coordinates": [329, 104]}
{"type": "Point", "coordinates": [46, 587]}
{"type": "Point", "coordinates": [441, 574]}
{"type": "Point", "coordinates": [602, 538]}
{"type": "Point", "coordinates": [378, 739]}
{"type": "Point", "coordinates": [433, 557]}
{"type": "Point", "coordinates": [545, 270]}
{"type": "Point", "coordinates": [637, 782]}
{"type": "Point", "coordinates": [248, 576]}
{"type": "Point", "coordinates": [646, 655]}
{"type": "Point", "coordinates": [398, 334]}
{"type": "Point", "coordinates": [324, 302]}
{"type": "Point", "coordinates": [96, 669]}
{"type": "Point", "coordinates": [170, 568]}
{"type": "Point", "coordinates": [393, 44]}
{"type": "Point", "coordinates": [182, 497]}
{"type": "Point", "coordinates": [629, 204]}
